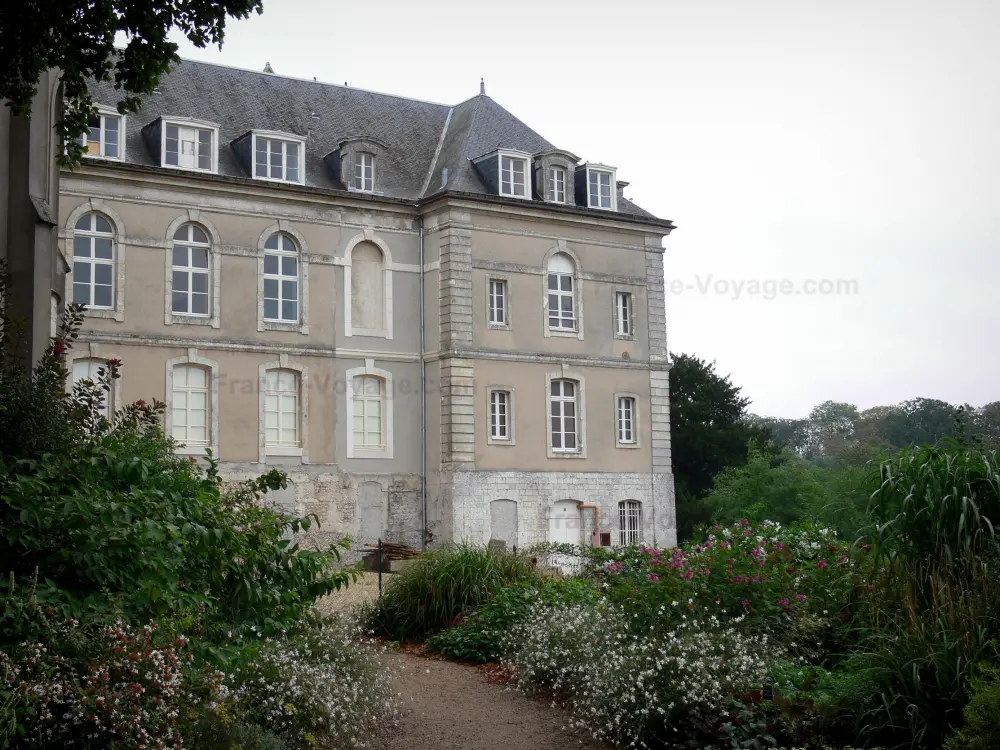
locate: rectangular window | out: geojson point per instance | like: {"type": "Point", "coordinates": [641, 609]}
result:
{"type": "Point", "coordinates": [557, 185]}
{"type": "Point", "coordinates": [103, 136]}
{"type": "Point", "coordinates": [626, 420]}
{"type": "Point", "coordinates": [513, 176]}
{"type": "Point", "coordinates": [600, 189]}
{"type": "Point", "coordinates": [89, 369]}
{"type": "Point", "coordinates": [364, 172]}
{"type": "Point", "coordinates": [275, 159]}
{"type": "Point", "coordinates": [498, 302]}
{"type": "Point", "coordinates": [629, 522]}
{"type": "Point", "coordinates": [369, 397]}
{"type": "Point", "coordinates": [281, 409]}
{"type": "Point", "coordinates": [563, 415]}
{"type": "Point", "coordinates": [561, 307]}
{"type": "Point", "coordinates": [500, 415]}
{"type": "Point", "coordinates": [190, 406]}
{"type": "Point", "coordinates": [623, 314]}
{"type": "Point", "coordinates": [188, 147]}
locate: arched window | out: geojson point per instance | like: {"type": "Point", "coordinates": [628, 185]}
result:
{"type": "Point", "coordinates": [191, 272]}
{"type": "Point", "coordinates": [281, 279]}
{"type": "Point", "coordinates": [367, 287]}
{"type": "Point", "coordinates": [282, 412]}
{"type": "Point", "coordinates": [369, 413]}
{"type": "Point", "coordinates": [89, 369]}
{"type": "Point", "coordinates": [191, 406]}
{"type": "Point", "coordinates": [94, 262]}
{"type": "Point", "coordinates": [629, 522]}
{"type": "Point", "coordinates": [562, 293]}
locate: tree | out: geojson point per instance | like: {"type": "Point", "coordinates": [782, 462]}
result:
{"type": "Point", "coordinates": [78, 38]}
{"type": "Point", "coordinates": [709, 432]}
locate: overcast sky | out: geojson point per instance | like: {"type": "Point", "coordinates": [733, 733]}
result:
{"type": "Point", "coordinates": [853, 143]}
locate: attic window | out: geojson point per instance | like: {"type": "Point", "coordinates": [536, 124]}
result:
{"type": "Point", "coordinates": [104, 135]}
{"type": "Point", "coordinates": [364, 172]}
{"type": "Point", "coordinates": [557, 185]}
{"type": "Point", "coordinates": [601, 188]}
{"type": "Point", "coordinates": [514, 176]}
{"type": "Point", "coordinates": [190, 145]}
{"type": "Point", "coordinates": [278, 157]}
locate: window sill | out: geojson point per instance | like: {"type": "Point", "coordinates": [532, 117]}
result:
{"type": "Point", "coordinates": [283, 450]}
{"type": "Point", "coordinates": [554, 453]}
{"type": "Point", "coordinates": [370, 332]}
{"type": "Point", "coordinates": [384, 453]}
{"type": "Point", "coordinates": [504, 442]}
{"type": "Point", "coordinates": [627, 446]}
{"type": "Point", "coordinates": [194, 450]}
{"type": "Point", "coordinates": [280, 180]}
{"type": "Point", "coordinates": [107, 313]}
{"type": "Point", "coordinates": [282, 325]}
{"type": "Point", "coordinates": [498, 326]}
{"type": "Point", "coordinates": [190, 320]}
{"type": "Point", "coordinates": [625, 337]}
{"type": "Point", "coordinates": [564, 333]}
{"type": "Point", "coordinates": [197, 170]}
{"type": "Point", "coordinates": [518, 197]}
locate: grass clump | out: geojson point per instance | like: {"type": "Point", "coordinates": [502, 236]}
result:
{"type": "Point", "coordinates": [441, 586]}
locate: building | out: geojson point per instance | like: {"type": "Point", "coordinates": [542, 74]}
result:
{"type": "Point", "coordinates": [29, 197]}
{"type": "Point", "coordinates": [441, 325]}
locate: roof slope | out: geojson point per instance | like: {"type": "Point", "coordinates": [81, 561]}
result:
{"type": "Point", "coordinates": [423, 138]}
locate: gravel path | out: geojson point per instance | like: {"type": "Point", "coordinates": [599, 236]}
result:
{"type": "Point", "coordinates": [448, 706]}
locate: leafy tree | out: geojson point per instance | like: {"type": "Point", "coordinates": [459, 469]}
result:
{"type": "Point", "coordinates": [78, 38]}
{"type": "Point", "coordinates": [709, 432]}
{"type": "Point", "coordinates": [986, 423]}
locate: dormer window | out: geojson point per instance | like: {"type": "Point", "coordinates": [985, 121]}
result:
{"type": "Point", "coordinates": [601, 189]}
{"type": "Point", "coordinates": [278, 156]}
{"type": "Point", "coordinates": [557, 185]}
{"type": "Point", "coordinates": [513, 176]}
{"type": "Point", "coordinates": [105, 135]}
{"type": "Point", "coordinates": [190, 145]}
{"type": "Point", "coordinates": [364, 172]}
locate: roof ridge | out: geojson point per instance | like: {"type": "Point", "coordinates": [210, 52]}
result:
{"type": "Point", "coordinates": [437, 153]}
{"type": "Point", "coordinates": [473, 122]}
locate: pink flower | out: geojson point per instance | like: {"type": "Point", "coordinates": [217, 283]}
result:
{"type": "Point", "coordinates": [822, 564]}
{"type": "Point", "coordinates": [746, 603]}
{"type": "Point", "coordinates": [613, 567]}
{"type": "Point", "coordinates": [801, 597]}
{"type": "Point", "coordinates": [652, 578]}
{"type": "Point", "coordinates": [782, 602]}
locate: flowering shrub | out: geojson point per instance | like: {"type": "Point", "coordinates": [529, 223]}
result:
{"type": "Point", "coordinates": [630, 687]}
{"type": "Point", "coordinates": [116, 686]}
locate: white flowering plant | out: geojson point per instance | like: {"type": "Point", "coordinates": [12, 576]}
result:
{"type": "Point", "coordinates": [634, 688]}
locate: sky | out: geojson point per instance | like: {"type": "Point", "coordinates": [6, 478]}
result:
{"type": "Point", "coordinates": [833, 168]}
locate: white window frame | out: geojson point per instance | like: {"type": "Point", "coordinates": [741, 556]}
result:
{"type": "Point", "coordinates": [626, 434]}
{"type": "Point", "coordinates": [193, 358]}
{"type": "Point", "coordinates": [581, 414]}
{"type": "Point", "coordinates": [94, 205]}
{"type": "Point", "coordinates": [196, 125]}
{"type": "Point", "coordinates": [498, 303]}
{"type": "Point", "coordinates": [104, 113]}
{"type": "Point", "coordinates": [192, 271]}
{"type": "Point", "coordinates": [562, 248]}
{"type": "Point", "coordinates": [214, 319]}
{"type": "Point", "coordinates": [266, 324]}
{"type": "Point", "coordinates": [629, 522]}
{"type": "Point", "coordinates": [302, 374]}
{"type": "Point", "coordinates": [513, 156]}
{"type": "Point", "coordinates": [556, 192]}
{"type": "Point", "coordinates": [493, 437]}
{"type": "Point", "coordinates": [611, 173]}
{"type": "Point", "coordinates": [362, 183]}
{"type": "Point", "coordinates": [624, 324]}
{"type": "Point", "coordinates": [93, 261]}
{"type": "Point", "coordinates": [386, 451]}
{"type": "Point", "coordinates": [288, 140]}
{"type": "Point", "coordinates": [97, 353]}
{"type": "Point", "coordinates": [93, 364]}
{"type": "Point", "coordinates": [280, 253]}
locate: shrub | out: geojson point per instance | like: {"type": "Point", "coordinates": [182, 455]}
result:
{"type": "Point", "coordinates": [442, 585]}
{"type": "Point", "coordinates": [631, 688]}
{"type": "Point", "coordinates": [480, 636]}
{"type": "Point", "coordinates": [981, 714]}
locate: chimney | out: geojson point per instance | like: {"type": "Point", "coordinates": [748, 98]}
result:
{"type": "Point", "coordinates": [268, 68]}
{"type": "Point", "coordinates": [482, 87]}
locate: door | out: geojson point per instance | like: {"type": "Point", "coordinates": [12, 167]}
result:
{"type": "Point", "coordinates": [565, 526]}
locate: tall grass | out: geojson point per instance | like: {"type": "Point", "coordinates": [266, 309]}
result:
{"type": "Point", "coordinates": [441, 585]}
{"type": "Point", "coordinates": [930, 622]}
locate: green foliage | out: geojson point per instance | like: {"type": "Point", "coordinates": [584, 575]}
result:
{"type": "Point", "coordinates": [479, 637]}
{"type": "Point", "coordinates": [443, 585]}
{"type": "Point", "coordinates": [708, 431]}
{"type": "Point", "coordinates": [981, 714]}
{"type": "Point", "coordinates": [79, 41]}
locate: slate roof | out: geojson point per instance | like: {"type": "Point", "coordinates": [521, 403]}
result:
{"type": "Point", "coordinates": [422, 137]}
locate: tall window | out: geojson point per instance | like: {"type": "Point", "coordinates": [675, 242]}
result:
{"type": "Point", "coordinates": [369, 403]}
{"type": "Point", "coordinates": [367, 287]}
{"type": "Point", "coordinates": [513, 176]}
{"type": "Point", "coordinates": [89, 369]}
{"type": "Point", "coordinates": [623, 314]}
{"type": "Point", "coordinates": [188, 147]}
{"type": "Point", "coordinates": [94, 262]}
{"type": "Point", "coordinates": [190, 406]}
{"type": "Point", "coordinates": [281, 409]}
{"type": "Point", "coordinates": [629, 522]}
{"type": "Point", "coordinates": [557, 185]}
{"type": "Point", "coordinates": [562, 308]}
{"type": "Point", "coordinates": [277, 159]}
{"type": "Point", "coordinates": [626, 419]}
{"type": "Point", "coordinates": [600, 188]}
{"type": "Point", "coordinates": [500, 415]}
{"type": "Point", "coordinates": [364, 172]}
{"type": "Point", "coordinates": [191, 277]}
{"type": "Point", "coordinates": [281, 278]}
{"type": "Point", "coordinates": [498, 302]}
{"type": "Point", "coordinates": [103, 136]}
{"type": "Point", "coordinates": [563, 413]}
